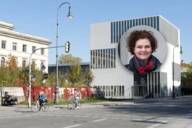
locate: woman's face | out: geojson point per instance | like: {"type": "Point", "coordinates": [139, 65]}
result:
{"type": "Point", "coordinates": [143, 49]}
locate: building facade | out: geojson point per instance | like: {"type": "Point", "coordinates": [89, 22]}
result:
{"type": "Point", "coordinates": [109, 55]}
{"type": "Point", "coordinates": [21, 46]}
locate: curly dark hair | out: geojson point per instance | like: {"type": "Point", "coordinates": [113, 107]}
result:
{"type": "Point", "coordinates": [140, 34]}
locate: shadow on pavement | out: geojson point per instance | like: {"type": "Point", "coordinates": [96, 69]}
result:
{"type": "Point", "coordinates": [163, 108]}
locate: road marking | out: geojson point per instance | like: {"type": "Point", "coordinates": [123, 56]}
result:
{"type": "Point", "coordinates": [10, 115]}
{"type": "Point", "coordinates": [151, 121]}
{"type": "Point", "coordinates": [73, 126]}
{"type": "Point", "coordinates": [98, 120]}
{"type": "Point", "coordinates": [160, 121]}
{"type": "Point", "coordinates": [154, 126]}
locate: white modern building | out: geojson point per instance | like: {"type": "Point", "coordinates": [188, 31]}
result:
{"type": "Point", "coordinates": [21, 45]}
{"type": "Point", "coordinates": [109, 56]}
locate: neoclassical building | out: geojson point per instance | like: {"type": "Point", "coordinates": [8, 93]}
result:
{"type": "Point", "coordinates": [109, 55]}
{"type": "Point", "coordinates": [21, 45]}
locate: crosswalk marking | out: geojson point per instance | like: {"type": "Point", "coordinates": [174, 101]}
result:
{"type": "Point", "coordinates": [73, 126]}
{"type": "Point", "coordinates": [99, 120]}
{"type": "Point", "coordinates": [154, 126]}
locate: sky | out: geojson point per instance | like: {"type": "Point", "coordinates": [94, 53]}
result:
{"type": "Point", "coordinates": [38, 17]}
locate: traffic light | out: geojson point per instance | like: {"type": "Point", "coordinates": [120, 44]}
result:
{"type": "Point", "coordinates": [67, 47]}
{"type": "Point", "coordinates": [45, 75]}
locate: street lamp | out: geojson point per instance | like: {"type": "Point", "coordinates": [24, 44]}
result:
{"type": "Point", "coordinates": [173, 74]}
{"type": "Point", "coordinates": [57, 36]}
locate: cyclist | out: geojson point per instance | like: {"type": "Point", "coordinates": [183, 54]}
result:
{"type": "Point", "coordinates": [41, 100]}
{"type": "Point", "coordinates": [74, 100]}
{"type": "Point", "coordinates": [77, 98]}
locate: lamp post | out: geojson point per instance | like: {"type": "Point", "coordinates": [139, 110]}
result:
{"type": "Point", "coordinates": [173, 74]}
{"type": "Point", "coordinates": [57, 37]}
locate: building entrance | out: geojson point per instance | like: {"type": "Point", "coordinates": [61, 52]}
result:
{"type": "Point", "coordinates": [140, 91]}
{"type": "Point", "coordinates": [147, 86]}
{"type": "Point", "coordinates": [140, 86]}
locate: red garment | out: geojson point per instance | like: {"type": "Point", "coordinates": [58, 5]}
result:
{"type": "Point", "coordinates": [146, 68]}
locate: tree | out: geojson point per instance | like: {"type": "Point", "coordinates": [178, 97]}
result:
{"type": "Point", "coordinates": [3, 76]}
{"type": "Point", "coordinates": [11, 62]}
{"type": "Point", "coordinates": [87, 77]}
{"type": "Point", "coordinates": [51, 81]}
{"type": "Point", "coordinates": [77, 77]}
{"type": "Point", "coordinates": [74, 74]}
{"type": "Point", "coordinates": [23, 76]}
{"type": "Point", "coordinates": [9, 73]}
{"type": "Point", "coordinates": [69, 59]}
{"type": "Point", "coordinates": [186, 76]}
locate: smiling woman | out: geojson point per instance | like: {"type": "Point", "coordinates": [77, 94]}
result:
{"type": "Point", "coordinates": [141, 44]}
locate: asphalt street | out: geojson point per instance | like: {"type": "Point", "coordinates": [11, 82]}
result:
{"type": "Point", "coordinates": [164, 113]}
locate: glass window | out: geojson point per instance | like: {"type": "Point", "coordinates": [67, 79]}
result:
{"type": "Point", "coordinates": [2, 61]}
{"type": "Point", "coordinates": [33, 49]}
{"type": "Point", "coordinates": [115, 90]}
{"type": "Point", "coordinates": [24, 47]}
{"type": "Point", "coordinates": [120, 91]}
{"type": "Point", "coordinates": [3, 44]}
{"type": "Point", "coordinates": [103, 56]}
{"type": "Point", "coordinates": [123, 91]}
{"type": "Point", "coordinates": [99, 58]}
{"type": "Point", "coordinates": [24, 63]}
{"type": "Point", "coordinates": [14, 47]}
{"type": "Point", "coordinates": [104, 91]}
{"type": "Point", "coordinates": [94, 57]}
{"type": "Point", "coordinates": [112, 91]}
{"type": "Point", "coordinates": [42, 51]}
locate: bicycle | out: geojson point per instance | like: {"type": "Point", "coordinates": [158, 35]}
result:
{"type": "Point", "coordinates": [73, 103]}
{"type": "Point", "coordinates": [44, 107]}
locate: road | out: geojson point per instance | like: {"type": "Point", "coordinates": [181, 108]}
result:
{"type": "Point", "coordinates": [141, 114]}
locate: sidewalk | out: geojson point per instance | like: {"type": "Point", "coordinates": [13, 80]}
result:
{"type": "Point", "coordinates": [56, 107]}
{"type": "Point", "coordinates": [97, 104]}
{"type": "Point", "coordinates": [161, 99]}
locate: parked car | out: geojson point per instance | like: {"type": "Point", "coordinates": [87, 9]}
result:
{"type": "Point", "coordinates": [9, 100]}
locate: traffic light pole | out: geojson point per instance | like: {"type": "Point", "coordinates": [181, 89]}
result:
{"type": "Point", "coordinates": [173, 75]}
{"type": "Point", "coordinates": [30, 74]}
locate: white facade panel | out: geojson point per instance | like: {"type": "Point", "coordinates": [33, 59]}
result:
{"type": "Point", "coordinates": [100, 36]}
